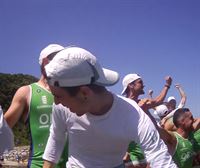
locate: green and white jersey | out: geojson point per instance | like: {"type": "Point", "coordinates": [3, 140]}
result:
{"type": "Point", "coordinates": [183, 155]}
{"type": "Point", "coordinates": [195, 139]}
{"type": "Point", "coordinates": [40, 111]}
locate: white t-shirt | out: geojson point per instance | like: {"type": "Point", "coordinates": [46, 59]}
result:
{"type": "Point", "coordinates": [101, 141]}
{"type": "Point", "coordinates": [6, 135]}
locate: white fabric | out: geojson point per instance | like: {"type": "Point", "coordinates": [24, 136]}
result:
{"type": "Point", "coordinates": [161, 110]}
{"type": "Point", "coordinates": [170, 98]}
{"type": "Point", "coordinates": [6, 135]}
{"type": "Point", "coordinates": [102, 141]}
{"type": "Point", "coordinates": [76, 66]}
{"type": "Point", "coordinates": [51, 48]}
{"type": "Point", "coordinates": [171, 114]}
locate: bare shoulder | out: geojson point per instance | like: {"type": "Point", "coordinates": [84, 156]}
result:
{"type": "Point", "coordinates": [23, 91]}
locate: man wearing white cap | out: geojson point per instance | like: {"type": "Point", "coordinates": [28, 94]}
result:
{"type": "Point", "coordinates": [33, 103]}
{"type": "Point", "coordinates": [167, 121]}
{"type": "Point", "coordinates": [100, 124]}
{"type": "Point", "coordinates": [181, 143]}
{"type": "Point", "coordinates": [133, 87]}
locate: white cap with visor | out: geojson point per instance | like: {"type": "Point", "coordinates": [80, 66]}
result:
{"type": "Point", "coordinates": [76, 66]}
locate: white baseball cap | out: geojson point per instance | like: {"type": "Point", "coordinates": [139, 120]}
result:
{"type": "Point", "coordinates": [51, 48]}
{"type": "Point", "coordinates": [161, 110]}
{"type": "Point", "coordinates": [128, 79]}
{"type": "Point", "coordinates": [76, 66]}
{"type": "Point", "coordinates": [170, 98]}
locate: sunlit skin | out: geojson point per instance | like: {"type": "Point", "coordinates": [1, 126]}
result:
{"type": "Point", "coordinates": [171, 105]}
{"type": "Point", "coordinates": [74, 103]}
{"type": "Point", "coordinates": [137, 87]}
{"type": "Point", "coordinates": [187, 121]}
{"type": "Point", "coordinates": [85, 101]}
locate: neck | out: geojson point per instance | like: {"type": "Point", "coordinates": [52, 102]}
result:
{"type": "Point", "coordinates": [43, 83]}
{"type": "Point", "coordinates": [133, 97]}
{"type": "Point", "coordinates": [183, 133]}
{"type": "Point", "coordinates": [105, 102]}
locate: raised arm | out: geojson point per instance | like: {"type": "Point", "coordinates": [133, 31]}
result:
{"type": "Point", "coordinates": [18, 106]}
{"type": "Point", "coordinates": [160, 98]}
{"type": "Point", "coordinates": [183, 96]}
{"type": "Point", "coordinates": [150, 93]}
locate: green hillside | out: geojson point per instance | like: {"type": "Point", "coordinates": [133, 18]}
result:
{"type": "Point", "coordinates": [9, 83]}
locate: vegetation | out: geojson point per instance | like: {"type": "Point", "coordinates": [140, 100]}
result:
{"type": "Point", "coordinates": [9, 83]}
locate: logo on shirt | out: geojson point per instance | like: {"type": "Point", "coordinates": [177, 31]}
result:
{"type": "Point", "coordinates": [44, 99]}
{"type": "Point", "coordinates": [38, 90]}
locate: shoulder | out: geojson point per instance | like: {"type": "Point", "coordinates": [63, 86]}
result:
{"type": "Point", "coordinates": [23, 89]}
{"type": "Point", "coordinates": [61, 111]}
{"type": "Point", "coordinates": [23, 92]}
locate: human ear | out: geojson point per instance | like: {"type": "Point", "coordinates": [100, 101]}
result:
{"type": "Point", "coordinates": [85, 92]}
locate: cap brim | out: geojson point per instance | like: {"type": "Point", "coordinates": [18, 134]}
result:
{"type": "Point", "coordinates": [108, 78]}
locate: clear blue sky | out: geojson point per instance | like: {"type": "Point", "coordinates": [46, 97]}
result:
{"type": "Point", "coordinates": [154, 38]}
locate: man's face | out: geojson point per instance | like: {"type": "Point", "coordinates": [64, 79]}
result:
{"type": "Point", "coordinates": [74, 103]}
{"type": "Point", "coordinates": [172, 104]}
{"type": "Point", "coordinates": [138, 86]}
{"type": "Point", "coordinates": [187, 121]}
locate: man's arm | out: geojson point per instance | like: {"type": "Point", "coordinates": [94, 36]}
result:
{"type": "Point", "coordinates": [57, 136]}
{"type": "Point", "coordinates": [48, 164]}
{"type": "Point", "coordinates": [183, 96]}
{"type": "Point", "coordinates": [196, 124]}
{"type": "Point", "coordinates": [18, 106]}
{"type": "Point", "coordinates": [160, 98]}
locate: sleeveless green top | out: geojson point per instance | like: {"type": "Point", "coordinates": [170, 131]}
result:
{"type": "Point", "coordinates": [183, 155]}
{"type": "Point", "coordinates": [195, 139]}
{"type": "Point", "coordinates": [39, 122]}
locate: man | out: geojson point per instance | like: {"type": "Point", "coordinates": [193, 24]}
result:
{"type": "Point", "coordinates": [100, 125]}
{"type": "Point", "coordinates": [33, 103]}
{"type": "Point", "coordinates": [133, 87]}
{"type": "Point", "coordinates": [181, 142]}
{"type": "Point", "coordinates": [167, 120]}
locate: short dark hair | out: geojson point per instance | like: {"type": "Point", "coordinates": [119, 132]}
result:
{"type": "Point", "coordinates": [178, 115]}
{"type": "Point", "coordinates": [74, 90]}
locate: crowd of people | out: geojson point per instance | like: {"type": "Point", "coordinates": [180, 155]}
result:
{"type": "Point", "coordinates": [75, 121]}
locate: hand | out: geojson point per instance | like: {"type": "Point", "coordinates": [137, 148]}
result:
{"type": "Point", "coordinates": [168, 80]}
{"type": "Point", "coordinates": [150, 93]}
{"type": "Point", "coordinates": [177, 85]}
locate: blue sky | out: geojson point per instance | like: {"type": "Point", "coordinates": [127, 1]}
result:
{"type": "Point", "coordinates": [154, 38]}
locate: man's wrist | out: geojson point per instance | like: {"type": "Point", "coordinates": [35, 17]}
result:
{"type": "Point", "coordinates": [167, 85]}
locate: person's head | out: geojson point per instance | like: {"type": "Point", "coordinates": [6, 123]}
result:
{"type": "Point", "coordinates": [183, 119]}
{"type": "Point", "coordinates": [132, 83]}
{"type": "Point", "coordinates": [161, 111]}
{"type": "Point", "coordinates": [75, 76]}
{"type": "Point", "coordinates": [47, 54]}
{"type": "Point", "coordinates": [171, 103]}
